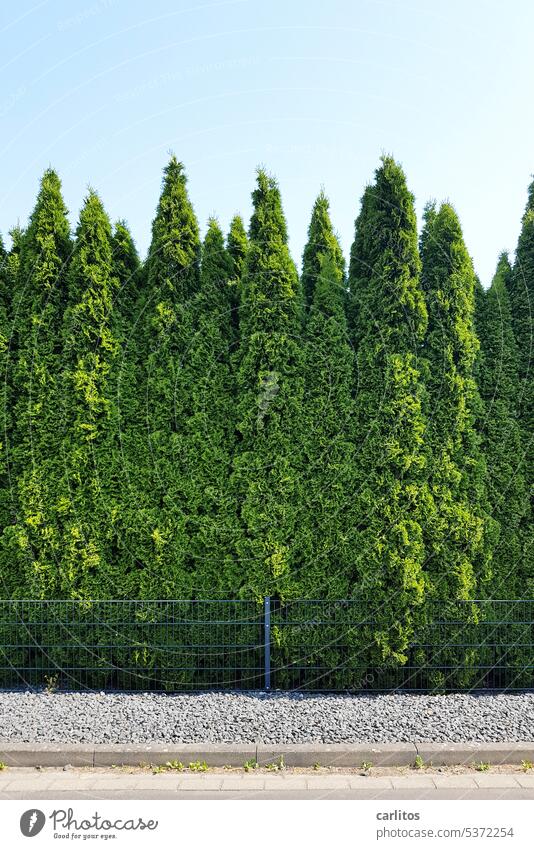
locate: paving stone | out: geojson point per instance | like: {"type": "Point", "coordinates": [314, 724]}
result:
{"type": "Point", "coordinates": [338, 781]}
{"type": "Point", "coordinates": [209, 782]}
{"type": "Point", "coordinates": [255, 784]}
{"type": "Point", "coordinates": [461, 781]}
{"type": "Point", "coordinates": [358, 782]}
{"type": "Point", "coordinates": [412, 782]}
{"type": "Point", "coordinates": [496, 780]}
{"type": "Point", "coordinates": [147, 783]}
{"type": "Point", "coordinates": [25, 784]}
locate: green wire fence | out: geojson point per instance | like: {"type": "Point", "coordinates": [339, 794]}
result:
{"type": "Point", "coordinates": [229, 644]}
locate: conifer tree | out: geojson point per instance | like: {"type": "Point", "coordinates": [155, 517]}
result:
{"type": "Point", "coordinates": [521, 290]}
{"type": "Point", "coordinates": [321, 240]}
{"type": "Point", "coordinates": [35, 352]}
{"type": "Point", "coordinates": [502, 445]}
{"type": "Point", "coordinates": [392, 500]}
{"type": "Point", "coordinates": [236, 245]}
{"type": "Point", "coordinates": [127, 269]}
{"type": "Point", "coordinates": [326, 550]}
{"type": "Point", "coordinates": [5, 398]}
{"type": "Point", "coordinates": [87, 504]}
{"type": "Point", "coordinates": [126, 391]}
{"type": "Point", "coordinates": [269, 368]}
{"type": "Point", "coordinates": [10, 276]}
{"type": "Point", "coordinates": [208, 431]}
{"type": "Point", "coordinates": [159, 531]}
{"type": "Point", "coordinates": [461, 537]}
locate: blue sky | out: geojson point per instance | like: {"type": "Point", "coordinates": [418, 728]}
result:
{"type": "Point", "coordinates": [102, 90]}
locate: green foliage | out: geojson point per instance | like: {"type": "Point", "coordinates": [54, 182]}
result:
{"type": "Point", "coordinates": [87, 500]}
{"type": "Point", "coordinates": [269, 360]}
{"type": "Point", "coordinates": [328, 451]}
{"type": "Point", "coordinates": [36, 275]}
{"type": "Point", "coordinates": [321, 241]}
{"type": "Point", "coordinates": [205, 424]}
{"type": "Point", "coordinates": [237, 246]}
{"type": "Point", "coordinates": [127, 270]}
{"type": "Point", "coordinates": [157, 535]}
{"type": "Point", "coordinates": [521, 293]}
{"type": "Point", "coordinates": [208, 430]}
{"type": "Point", "coordinates": [392, 501]}
{"type": "Point", "coordinates": [500, 388]}
{"type": "Point", "coordinates": [461, 536]}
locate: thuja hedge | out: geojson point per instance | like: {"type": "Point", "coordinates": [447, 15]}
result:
{"type": "Point", "coordinates": [210, 423]}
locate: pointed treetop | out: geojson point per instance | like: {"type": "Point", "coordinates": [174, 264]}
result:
{"type": "Point", "coordinates": [321, 239]}
{"type": "Point", "coordinates": [17, 236]}
{"type": "Point", "coordinates": [174, 255]}
{"type": "Point", "coordinates": [91, 264]}
{"type": "Point", "coordinates": [46, 244]}
{"type": "Point", "coordinates": [125, 256]}
{"type": "Point", "coordinates": [94, 222]}
{"type": "Point", "coordinates": [385, 265]}
{"type": "Point", "coordinates": [441, 231]}
{"type": "Point", "coordinates": [529, 209]}
{"type": "Point", "coordinates": [213, 230]}
{"type": "Point", "coordinates": [213, 246]}
{"type": "Point", "coordinates": [215, 267]}
{"type": "Point", "coordinates": [174, 170]}
{"type": "Point", "coordinates": [236, 245]}
{"type": "Point", "coordinates": [502, 271]}
{"type": "Point", "coordinates": [449, 281]}
{"type": "Point", "coordinates": [49, 198]}
{"type": "Point", "coordinates": [500, 367]}
{"type": "Point", "coordinates": [268, 220]}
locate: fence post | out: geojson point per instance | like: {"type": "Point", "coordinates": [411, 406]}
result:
{"type": "Point", "coordinates": [267, 640]}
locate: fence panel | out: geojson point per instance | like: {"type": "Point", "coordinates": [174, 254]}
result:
{"type": "Point", "coordinates": [132, 645]}
{"type": "Point", "coordinates": [457, 646]}
{"type": "Point", "coordinates": [180, 645]}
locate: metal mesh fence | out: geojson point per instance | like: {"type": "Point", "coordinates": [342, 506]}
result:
{"type": "Point", "coordinates": [480, 644]}
{"type": "Point", "coordinates": [131, 645]}
{"type": "Point", "coordinates": [178, 645]}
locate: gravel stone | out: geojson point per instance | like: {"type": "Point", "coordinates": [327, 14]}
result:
{"type": "Point", "coordinates": [250, 717]}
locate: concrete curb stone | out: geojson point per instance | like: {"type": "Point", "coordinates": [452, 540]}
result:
{"type": "Point", "coordinates": [298, 755]}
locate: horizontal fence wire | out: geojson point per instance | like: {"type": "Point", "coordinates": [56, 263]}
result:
{"type": "Point", "coordinates": [168, 645]}
{"type": "Point", "coordinates": [456, 646]}
{"type": "Point", "coordinates": [229, 644]}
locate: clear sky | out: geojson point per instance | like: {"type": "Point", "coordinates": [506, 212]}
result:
{"type": "Point", "coordinates": [315, 90]}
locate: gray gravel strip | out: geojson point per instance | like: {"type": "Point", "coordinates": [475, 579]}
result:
{"type": "Point", "coordinates": [278, 718]}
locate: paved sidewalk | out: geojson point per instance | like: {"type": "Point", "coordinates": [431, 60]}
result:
{"type": "Point", "coordinates": [54, 784]}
